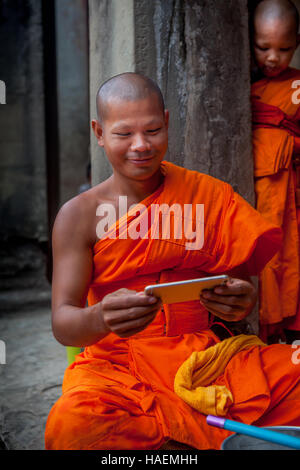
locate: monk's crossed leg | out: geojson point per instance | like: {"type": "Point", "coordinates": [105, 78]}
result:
{"type": "Point", "coordinates": [99, 419]}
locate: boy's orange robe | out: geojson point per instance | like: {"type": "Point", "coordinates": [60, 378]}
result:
{"type": "Point", "coordinates": [276, 137]}
{"type": "Point", "coordinates": [119, 393]}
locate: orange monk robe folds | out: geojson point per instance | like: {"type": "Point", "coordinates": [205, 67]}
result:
{"type": "Point", "coordinates": [119, 394]}
{"type": "Point", "coordinates": [275, 131]}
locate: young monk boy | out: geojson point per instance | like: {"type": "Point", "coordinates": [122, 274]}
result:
{"type": "Point", "coordinates": [276, 147]}
{"type": "Point", "coordinates": [119, 393]}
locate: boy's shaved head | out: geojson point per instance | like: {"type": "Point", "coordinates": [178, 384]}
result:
{"type": "Point", "coordinates": [273, 10]}
{"type": "Point", "coordinates": [275, 37]}
{"type": "Point", "coordinates": [128, 86]}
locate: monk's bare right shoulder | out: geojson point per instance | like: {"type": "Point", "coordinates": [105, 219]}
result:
{"type": "Point", "coordinates": [76, 220]}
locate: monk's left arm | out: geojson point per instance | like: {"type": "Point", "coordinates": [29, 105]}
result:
{"type": "Point", "coordinates": [232, 301]}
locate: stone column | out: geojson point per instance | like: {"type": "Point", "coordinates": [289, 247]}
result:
{"type": "Point", "coordinates": [218, 129]}
{"type": "Point", "coordinates": [73, 94]}
{"type": "Point", "coordinates": [111, 52]}
{"type": "Point", "coordinates": [198, 51]}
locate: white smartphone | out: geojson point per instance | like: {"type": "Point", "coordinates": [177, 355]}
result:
{"type": "Point", "coordinates": [184, 291]}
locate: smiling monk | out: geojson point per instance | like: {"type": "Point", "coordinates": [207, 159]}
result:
{"type": "Point", "coordinates": [276, 147]}
{"type": "Point", "coordinates": [119, 393]}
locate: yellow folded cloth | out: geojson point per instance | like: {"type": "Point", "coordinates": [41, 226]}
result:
{"type": "Point", "coordinates": [193, 378]}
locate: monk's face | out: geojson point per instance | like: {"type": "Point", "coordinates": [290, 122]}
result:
{"type": "Point", "coordinates": [134, 135]}
{"type": "Point", "coordinates": [275, 42]}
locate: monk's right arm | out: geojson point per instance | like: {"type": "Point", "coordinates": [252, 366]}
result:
{"type": "Point", "coordinates": [73, 323]}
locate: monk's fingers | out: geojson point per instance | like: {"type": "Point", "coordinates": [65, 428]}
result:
{"type": "Point", "coordinates": [122, 291]}
{"type": "Point", "coordinates": [125, 300]}
{"type": "Point", "coordinates": [235, 287]}
{"type": "Point", "coordinates": [236, 292]}
{"type": "Point", "coordinates": [226, 312]}
{"type": "Point", "coordinates": [242, 301]}
{"type": "Point", "coordinates": [129, 328]}
{"type": "Point", "coordinates": [130, 332]}
{"type": "Point", "coordinates": [133, 314]}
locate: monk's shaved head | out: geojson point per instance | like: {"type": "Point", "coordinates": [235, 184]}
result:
{"type": "Point", "coordinates": [127, 86]}
{"type": "Point", "coordinates": [274, 10]}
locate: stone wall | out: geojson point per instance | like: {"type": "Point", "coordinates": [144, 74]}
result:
{"type": "Point", "coordinates": [30, 191]}
{"type": "Point", "coordinates": [23, 179]}
{"type": "Point", "coordinates": [23, 193]}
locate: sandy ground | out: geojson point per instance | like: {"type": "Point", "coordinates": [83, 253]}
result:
{"type": "Point", "coordinates": [31, 378]}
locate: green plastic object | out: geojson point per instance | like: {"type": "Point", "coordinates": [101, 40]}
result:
{"type": "Point", "coordinates": [72, 351]}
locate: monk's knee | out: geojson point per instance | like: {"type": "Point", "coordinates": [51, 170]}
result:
{"type": "Point", "coordinates": [71, 424]}
{"type": "Point", "coordinates": [86, 420]}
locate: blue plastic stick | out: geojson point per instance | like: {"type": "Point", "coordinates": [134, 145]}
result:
{"type": "Point", "coordinates": [254, 431]}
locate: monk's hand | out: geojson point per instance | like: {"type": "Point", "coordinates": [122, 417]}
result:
{"type": "Point", "coordinates": [232, 301]}
{"type": "Point", "coordinates": [127, 312]}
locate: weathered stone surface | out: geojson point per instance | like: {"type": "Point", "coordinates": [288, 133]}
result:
{"type": "Point", "coordinates": [201, 63]}
{"type": "Point", "coordinates": [161, 54]}
{"type": "Point", "coordinates": [218, 132]}
{"type": "Point", "coordinates": [23, 276]}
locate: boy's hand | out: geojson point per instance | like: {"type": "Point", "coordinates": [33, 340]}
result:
{"type": "Point", "coordinates": [232, 301]}
{"type": "Point", "coordinates": [126, 312]}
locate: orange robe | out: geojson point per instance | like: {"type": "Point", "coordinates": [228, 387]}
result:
{"type": "Point", "coordinates": [275, 132]}
{"type": "Point", "coordinates": [119, 393]}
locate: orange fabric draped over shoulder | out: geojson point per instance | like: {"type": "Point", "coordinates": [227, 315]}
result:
{"type": "Point", "coordinates": [119, 393]}
{"type": "Point", "coordinates": [276, 128]}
